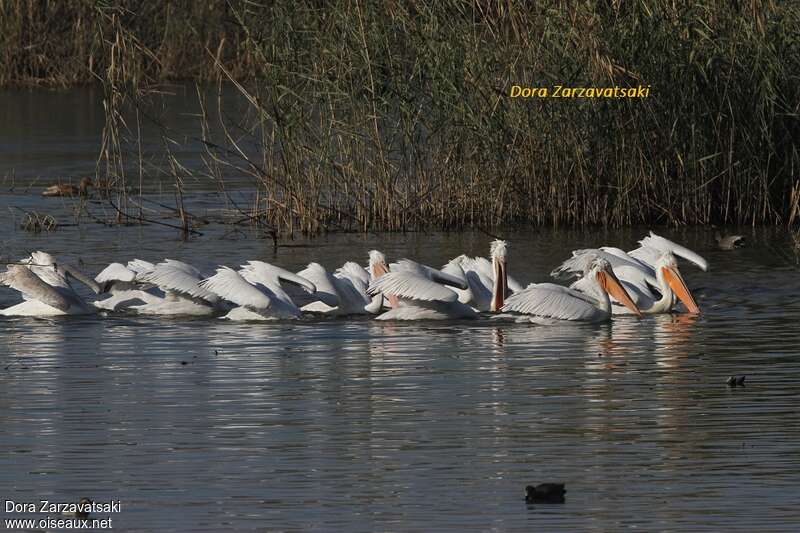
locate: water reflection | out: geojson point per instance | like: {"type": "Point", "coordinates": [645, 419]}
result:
{"type": "Point", "coordinates": [348, 424]}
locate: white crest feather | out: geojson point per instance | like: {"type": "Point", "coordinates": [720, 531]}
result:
{"type": "Point", "coordinates": [498, 249]}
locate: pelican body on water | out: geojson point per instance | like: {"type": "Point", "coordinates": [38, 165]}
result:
{"type": "Point", "coordinates": [609, 282]}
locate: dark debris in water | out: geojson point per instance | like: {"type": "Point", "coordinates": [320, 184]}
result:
{"type": "Point", "coordinates": [545, 493]}
{"type": "Point", "coordinates": [736, 381]}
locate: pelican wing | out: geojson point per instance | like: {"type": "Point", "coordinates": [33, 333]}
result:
{"type": "Point", "coordinates": [407, 265]}
{"type": "Point", "coordinates": [178, 277]}
{"type": "Point", "coordinates": [411, 285]}
{"type": "Point", "coordinates": [140, 266]}
{"type": "Point", "coordinates": [323, 281]}
{"type": "Point", "coordinates": [183, 267]}
{"type": "Point", "coordinates": [352, 270]}
{"type": "Point", "coordinates": [231, 286]}
{"type": "Point", "coordinates": [639, 291]}
{"type": "Point", "coordinates": [459, 265]}
{"type": "Point", "coordinates": [641, 278]}
{"type": "Point", "coordinates": [32, 287]}
{"type": "Point", "coordinates": [115, 272]}
{"type": "Point", "coordinates": [454, 268]}
{"type": "Point", "coordinates": [654, 245]}
{"type": "Point", "coordinates": [483, 272]}
{"type": "Point", "coordinates": [352, 292]}
{"type": "Point", "coordinates": [513, 284]}
{"type": "Point", "coordinates": [647, 254]}
{"type": "Point", "coordinates": [259, 272]}
{"type": "Point", "coordinates": [552, 301]}
{"type": "Point", "coordinates": [582, 259]}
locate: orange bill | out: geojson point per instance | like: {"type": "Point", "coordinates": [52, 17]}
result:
{"type": "Point", "coordinates": [500, 286]}
{"type": "Point", "coordinates": [678, 286]}
{"type": "Point", "coordinates": [612, 286]}
{"type": "Point", "coordinates": [378, 270]}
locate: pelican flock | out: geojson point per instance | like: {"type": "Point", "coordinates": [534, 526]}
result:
{"type": "Point", "coordinates": [608, 281]}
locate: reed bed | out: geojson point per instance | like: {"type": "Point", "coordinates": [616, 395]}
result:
{"type": "Point", "coordinates": [397, 115]}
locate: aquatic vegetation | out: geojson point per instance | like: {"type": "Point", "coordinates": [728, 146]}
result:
{"type": "Point", "coordinates": [38, 222]}
{"type": "Point", "coordinates": [401, 118]}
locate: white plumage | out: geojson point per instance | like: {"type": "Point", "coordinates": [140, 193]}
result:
{"type": "Point", "coordinates": [638, 270]}
{"type": "Point", "coordinates": [555, 302]}
{"type": "Point", "coordinates": [419, 293]}
{"type": "Point", "coordinates": [230, 285]}
{"type": "Point", "coordinates": [125, 288]}
{"type": "Point", "coordinates": [180, 283]}
{"type": "Point", "coordinates": [549, 300]}
{"type": "Point", "coordinates": [653, 246]}
{"type": "Point", "coordinates": [481, 275]}
{"type": "Point", "coordinates": [256, 291]}
{"type": "Point", "coordinates": [45, 286]}
{"type": "Point", "coordinates": [343, 293]}
{"type": "Point", "coordinates": [413, 286]}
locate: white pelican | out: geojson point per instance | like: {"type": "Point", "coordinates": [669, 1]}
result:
{"type": "Point", "coordinates": [639, 270]}
{"type": "Point", "coordinates": [45, 285]}
{"type": "Point", "coordinates": [418, 292]}
{"type": "Point", "coordinates": [652, 246]}
{"type": "Point", "coordinates": [345, 291]}
{"type": "Point", "coordinates": [551, 302]}
{"type": "Point", "coordinates": [124, 286]}
{"type": "Point", "coordinates": [342, 293]}
{"type": "Point", "coordinates": [669, 283]}
{"type": "Point", "coordinates": [183, 294]}
{"type": "Point", "coordinates": [484, 278]}
{"type": "Point", "coordinates": [256, 290]}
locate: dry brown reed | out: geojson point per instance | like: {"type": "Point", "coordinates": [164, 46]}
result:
{"type": "Point", "coordinates": [397, 115]}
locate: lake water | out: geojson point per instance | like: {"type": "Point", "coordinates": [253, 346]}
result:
{"type": "Point", "coordinates": [351, 424]}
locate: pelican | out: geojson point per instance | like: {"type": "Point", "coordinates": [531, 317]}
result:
{"type": "Point", "coordinates": [183, 294]}
{"type": "Point", "coordinates": [483, 278]}
{"type": "Point", "coordinates": [418, 292]}
{"type": "Point", "coordinates": [653, 264]}
{"type": "Point", "coordinates": [123, 285]}
{"type": "Point", "coordinates": [669, 283]}
{"type": "Point", "coordinates": [359, 277]}
{"type": "Point", "coordinates": [345, 291]}
{"type": "Point", "coordinates": [652, 246]}
{"type": "Point", "coordinates": [642, 258]}
{"type": "Point", "coordinates": [256, 291]}
{"type": "Point", "coordinates": [552, 302]}
{"type": "Point", "coordinates": [342, 293]}
{"type": "Point", "coordinates": [45, 285]}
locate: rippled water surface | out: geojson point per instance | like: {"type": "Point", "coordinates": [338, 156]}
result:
{"type": "Point", "coordinates": [355, 425]}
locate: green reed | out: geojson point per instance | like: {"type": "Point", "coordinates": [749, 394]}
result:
{"type": "Point", "coordinates": [397, 116]}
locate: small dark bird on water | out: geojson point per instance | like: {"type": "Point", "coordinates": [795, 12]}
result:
{"type": "Point", "coordinates": [729, 242]}
{"type": "Point", "coordinates": [545, 493]}
{"type": "Point", "coordinates": [736, 381]}
{"type": "Point", "coordinates": [66, 189]}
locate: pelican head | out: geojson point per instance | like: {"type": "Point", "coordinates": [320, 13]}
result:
{"type": "Point", "coordinates": [39, 258]}
{"type": "Point", "coordinates": [377, 264]}
{"type": "Point", "coordinates": [500, 288]}
{"type": "Point", "coordinates": [601, 270]}
{"type": "Point", "coordinates": [377, 268]}
{"type": "Point", "coordinates": [44, 259]}
{"type": "Point", "coordinates": [667, 269]}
